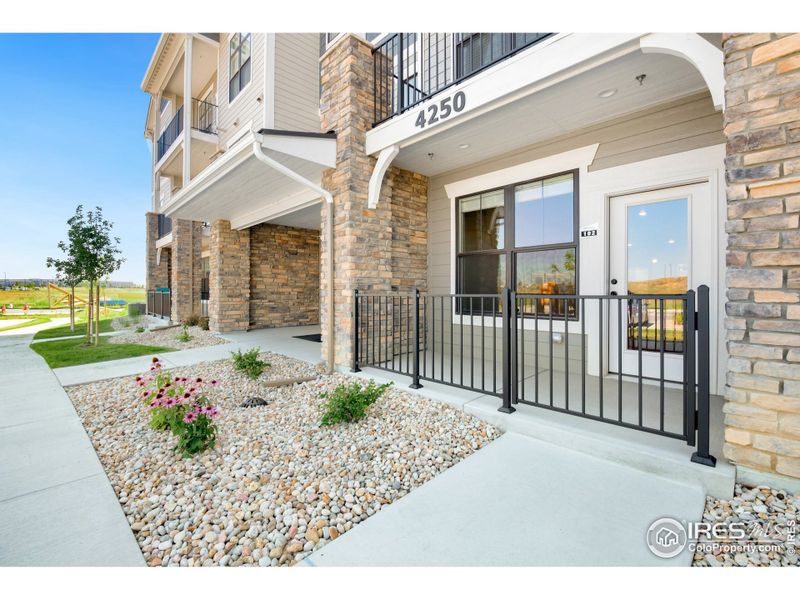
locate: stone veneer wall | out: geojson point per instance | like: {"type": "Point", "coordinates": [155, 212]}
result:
{"type": "Point", "coordinates": [156, 275]}
{"type": "Point", "coordinates": [762, 126]}
{"type": "Point", "coordinates": [375, 249]}
{"type": "Point", "coordinates": [187, 268]}
{"type": "Point", "coordinates": [229, 278]}
{"type": "Point", "coordinates": [284, 276]}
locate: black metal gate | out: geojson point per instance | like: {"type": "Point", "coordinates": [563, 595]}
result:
{"type": "Point", "coordinates": [534, 349]}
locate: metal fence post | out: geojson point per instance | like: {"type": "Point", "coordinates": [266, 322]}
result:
{"type": "Point", "coordinates": [507, 353]}
{"type": "Point", "coordinates": [356, 326]}
{"type": "Point", "coordinates": [415, 384]}
{"type": "Point", "coordinates": [703, 455]}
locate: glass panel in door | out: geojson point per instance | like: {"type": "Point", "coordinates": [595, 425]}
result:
{"type": "Point", "coordinates": [657, 263]}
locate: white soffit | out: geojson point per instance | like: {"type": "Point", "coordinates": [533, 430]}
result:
{"type": "Point", "coordinates": [242, 189]}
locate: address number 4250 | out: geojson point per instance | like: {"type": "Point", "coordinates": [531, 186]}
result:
{"type": "Point", "coordinates": [434, 113]}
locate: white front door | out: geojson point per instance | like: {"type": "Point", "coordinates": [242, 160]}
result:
{"type": "Point", "coordinates": [661, 242]}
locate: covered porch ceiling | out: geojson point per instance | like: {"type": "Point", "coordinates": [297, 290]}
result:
{"type": "Point", "coordinates": [597, 95]}
{"type": "Point", "coordinates": [281, 187]}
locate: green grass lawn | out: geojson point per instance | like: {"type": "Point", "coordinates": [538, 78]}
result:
{"type": "Point", "coordinates": [66, 353]}
{"type": "Point", "coordinates": [63, 330]}
{"type": "Point", "coordinates": [37, 298]}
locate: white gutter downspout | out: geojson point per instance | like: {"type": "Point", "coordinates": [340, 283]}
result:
{"type": "Point", "coordinates": [274, 164]}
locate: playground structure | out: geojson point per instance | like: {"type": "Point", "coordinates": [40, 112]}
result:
{"type": "Point", "coordinates": [63, 298]}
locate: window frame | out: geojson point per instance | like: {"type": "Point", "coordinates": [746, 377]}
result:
{"type": "Point", "coordinates": [237, 74]}
{"type": "Point", "coordinates": [510, 249]}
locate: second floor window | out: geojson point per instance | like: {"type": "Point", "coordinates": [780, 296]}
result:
{"type": "Point", "coordinates": [239, 64]}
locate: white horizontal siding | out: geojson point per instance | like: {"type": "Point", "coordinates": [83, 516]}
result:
{"type": "Point", "coordinates": [677, 126]}
{"type": "Point", "coordinates": [248, 105]}
{"type": "Point", "coordinates": [297, 81]}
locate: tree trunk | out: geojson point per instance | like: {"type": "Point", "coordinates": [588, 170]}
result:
{"type": "Point", "coordinates": [72, 309]}
{"type": "Point", "coordinates": [97, 322]}
{"type": "Point", "coordinates": [89, 313]}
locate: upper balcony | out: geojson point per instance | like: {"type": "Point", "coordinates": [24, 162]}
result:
{"type": "Point", "coordinates": [409, 68]}
{"type": "Point", "coordinates": [204, 120]}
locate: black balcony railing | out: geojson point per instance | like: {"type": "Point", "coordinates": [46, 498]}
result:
{"type": "Point", "coordinates": [515, 347]}
{"type": "Point", "coordinates": [408, 68]}
{"type": "Point", "coordinates": [204, 118]}
{"type": "Point", "coordinates": [170, 133]}
{"type": "Point", "coordinates": [164, 225]}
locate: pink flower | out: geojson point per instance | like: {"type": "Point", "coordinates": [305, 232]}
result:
{"type": "Point", "coordinates": [199, 380]}
{"type": "Point", "coordinates": [189, 417]}
{"type": "Point", "coordinates": [169, 402]}
{"type": "Point", "coordinates": [214, 382]}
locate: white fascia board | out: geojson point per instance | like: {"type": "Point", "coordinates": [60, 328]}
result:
{"type": "Point", "coordinates": [546, 63]}
{"type": "Point", "coordinates": [321, 151]}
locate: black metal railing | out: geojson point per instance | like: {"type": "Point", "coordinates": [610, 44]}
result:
{"type": "Point", "coordinates": [409, 68]}
{"type": "Point", "coordinates": [159, 303]}
{"type": "Point", "coordinates": [204, 116]}
{"type": "Point", "coordinates": [519, 348]}
{"type": "Point", "coordinates": [164, 225]}
{"type": "Point", "coordinates": [170, 133]}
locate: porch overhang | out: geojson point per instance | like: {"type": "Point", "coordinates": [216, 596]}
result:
{"type": "Point", "coordinates": [563, 84]}
{"type": "Point", "coordinates": [264, 176]}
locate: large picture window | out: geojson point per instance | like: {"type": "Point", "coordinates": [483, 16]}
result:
{"type": "Point", "coordinates": [522, 236]}
{"type": "Point", "coordinates": [239, 64]}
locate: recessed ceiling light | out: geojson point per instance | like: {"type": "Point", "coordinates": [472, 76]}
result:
{"type": "Point", "coordinates": [608, 93]}
{"type": "Point", "coordinates": [643, 213]}
{"type": "Point", "coordinates": [463, 146]}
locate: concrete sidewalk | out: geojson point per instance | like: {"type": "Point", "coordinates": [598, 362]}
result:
{"type": "Point", "coordinates": [521, 502]}
{"type": "Point", "coordinates": [57, 507]}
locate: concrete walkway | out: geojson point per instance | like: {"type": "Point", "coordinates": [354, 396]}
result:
{"type": "Point", "coordinates": [521, 502]}
{"type": "Point", "coordinates": [34, 328]}
{"type": "Point", "coordinates": [57, 507]}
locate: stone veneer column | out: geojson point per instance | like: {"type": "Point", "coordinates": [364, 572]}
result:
{"type": "Point", "coordinates": [229, 278]}
{"type": "Point", "coordinates": [762, 125]}
{"type": "Point", "coordinates": [187, 269]}
{"type": "Point", "coordinates": [373, 249]}
{"type": "Point", "coordinates": [156, 275]}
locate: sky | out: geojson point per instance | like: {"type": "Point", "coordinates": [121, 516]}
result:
{"type": "Point", "coordinates": [73, 121]}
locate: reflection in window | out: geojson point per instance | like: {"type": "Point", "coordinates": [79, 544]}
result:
{"type": "Point", "coordinates": [657, 263]}
{"type": "Point", "coordinates": [544, 212]}
{"type": "Point", "coordinates": [482, 222]}
{"type": "Point", "coordinates": [547, 272]}
{"type": "Point", "coordinates": [544, 254]}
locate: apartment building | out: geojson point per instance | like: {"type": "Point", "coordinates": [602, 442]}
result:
{"type": "Point", "coordinates": [598, 226]}
{"type": "Point", "coordinates": [233, 232]}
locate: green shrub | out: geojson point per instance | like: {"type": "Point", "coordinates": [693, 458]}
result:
{"type": "Point", "coordinates": [140, 329]}
{"type": "Point", "coordinates": [192, 321]}
{"type": "Point", "coordinates": [349, 403]}
{"type": "Point", "coordinates": [249, 363]}
{"type": "Point", "coordinates": [184, 335]}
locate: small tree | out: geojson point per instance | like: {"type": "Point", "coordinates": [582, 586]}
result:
{"type": "Point", "coordinates": [102, 256]}
{"type": "Point", "coordinates": [68, 269]}
{"type": "Point", "coordinates": [98, 255]}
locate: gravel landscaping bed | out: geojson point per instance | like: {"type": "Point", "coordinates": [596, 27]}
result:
{"type": "Point", "coordinates": [277, 486]}
{"type": "Point", "coordinates": [169, 338]}
{"type": "Point", "coordinates": [759, 508]}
